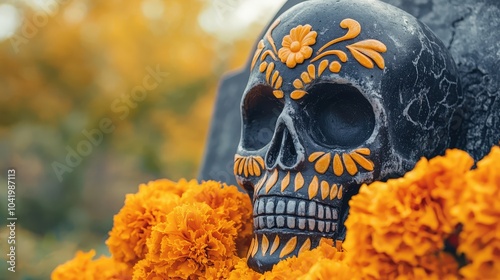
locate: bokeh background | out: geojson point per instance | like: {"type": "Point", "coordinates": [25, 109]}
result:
{"type": "Point", "coordinates": [68, 65]}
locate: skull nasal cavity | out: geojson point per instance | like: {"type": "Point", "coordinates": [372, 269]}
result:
{"type": "Point", "coordinates": [285, 150]}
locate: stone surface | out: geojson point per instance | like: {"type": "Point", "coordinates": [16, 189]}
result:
{"type": "Point", "coordinates": [468, 28]}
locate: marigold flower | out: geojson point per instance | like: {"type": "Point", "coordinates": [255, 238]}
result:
{"type": "Point", "coordinates": [296, 46]}
{"type": "Point", "coordinates": [84, 268]}
{"type": "Point", "coordinates": [229, 204]}
{"type": "Point", "coordinates": [326, 269]}
{"type": "Point", "coordinates": [242, 271]}
{"type": "Point", "coordinates": [479, 211]}
{"type": "Point", "coordinates": [77, 268]}
{"type": "Point", "coordinates": [107, 268]}
{"type": "Point", "coordinates": [398, 228]}
{"type": "Point", "coordinates": [192, 243]}
{"type": "Point", "coordinates": [132, 225]}
{"type": "Point", "coordinates": [299, 267]}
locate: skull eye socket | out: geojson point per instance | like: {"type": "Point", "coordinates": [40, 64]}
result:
{"type": "Point", "coordinates": [340, 115]}
{"type": "Point", "coordinates": [260, 111]}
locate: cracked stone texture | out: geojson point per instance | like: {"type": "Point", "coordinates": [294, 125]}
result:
{"type": "Point", "coordinates": [468, 28]}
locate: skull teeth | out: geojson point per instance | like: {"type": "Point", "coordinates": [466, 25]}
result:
{"type": "Point", "coordinates": [270, 222]}
{"type": "Point", "coordinates": [274, 212]}
{"type": "Point", "coordinates": [294, 207]}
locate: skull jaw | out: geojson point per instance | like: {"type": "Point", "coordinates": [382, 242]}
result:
{"type": "Point", "coordinates": [293, 217]}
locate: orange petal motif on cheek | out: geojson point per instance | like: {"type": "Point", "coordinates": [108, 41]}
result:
{"type": "Point", "coordinates": [338, 168]}
{"type": "Point", "coordinates": [314, 156]}
{"type": "Point", "coordinates": [285, 182]}
{"type": "Point", "coordinates": [333, 191]}
{"type": "Point", "coordinates": [322, 164]}
{"type": "Point", "coordinates": [299, 181]}
{"type": "Point", "coordinates": [365, 163]}
{"type": "Point", "coordinates": [272, 180]}
{"type": "Point", "coordinates": [260, 183]}
{"type": "Point", "coordinates": [256, 167]}
{"type": "Point", "coordinates": [245, 168]}
{"type": "Point", "coordinates": [363, 151]}
{"type": "Point", "coordinates": [250, 166]}
{"type": "Point", "coordinates": [242, 165]}
{"type": "Point", "coordinates": [313, 188]}
{"type": "Point", "coordinates": [325, 189]}
{"type": "Point", "coordinates": [298, 94]}
{"type": "Point", "coordinates": [260, 161]}
{"type": "Point", "coordinates": [236, 165]}
{"type": "Point", "coordinates": [349, 164]}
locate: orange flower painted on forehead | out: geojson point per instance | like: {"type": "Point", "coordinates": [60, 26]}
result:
{"type": "Point", "coordinates": [296, 46]}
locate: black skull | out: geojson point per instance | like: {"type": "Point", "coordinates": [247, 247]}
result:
{"type": "Point", "coordinates": [341, 93]}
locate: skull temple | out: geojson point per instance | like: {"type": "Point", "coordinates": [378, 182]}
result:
{"type": "Point", "coordinates": [341, 93]}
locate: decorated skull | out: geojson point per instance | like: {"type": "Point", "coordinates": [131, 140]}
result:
{"type": "Point", "coordinates": [340, 93]}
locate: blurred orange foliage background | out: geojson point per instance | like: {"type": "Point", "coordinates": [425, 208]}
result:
{"type": "Point", "coordinates": [67, 65]}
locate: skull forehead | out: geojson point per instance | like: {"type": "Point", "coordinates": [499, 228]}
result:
{"type": "Point", "coordinates": [399, 31]}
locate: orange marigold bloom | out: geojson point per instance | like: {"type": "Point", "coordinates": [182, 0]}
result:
{"type": "Point", "coordinates": [296, 46]}
{"type": "Point", "coordinates": [300, 267]}
{"type": "Point", "coordinates": [107, 268]}
{"type": "Point", "coordinates": [229, 204]}
{"type": "Point", "coordinates": [77, 268]}
{"type": "Point", "coordinates": [84, 268]}
{"type": "Point", "coordinates": [149, 206]}
{"type": "Point", "coordinates": [326, 269]}
{"type": "Point", "coordinates": [479, 212]}
{"type": "Point", "coordinates": [397, 229]}
{"type": "Point", "coordinates": [242, 271]}
{"type": "Point", "coordinates": [192, 243]}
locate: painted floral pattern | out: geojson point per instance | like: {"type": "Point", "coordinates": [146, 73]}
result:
{"type": "Point", "coordinates": [296, 46]}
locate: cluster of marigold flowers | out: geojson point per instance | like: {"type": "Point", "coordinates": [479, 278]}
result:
{"type": "Point", "coordinates": [440, 221]}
